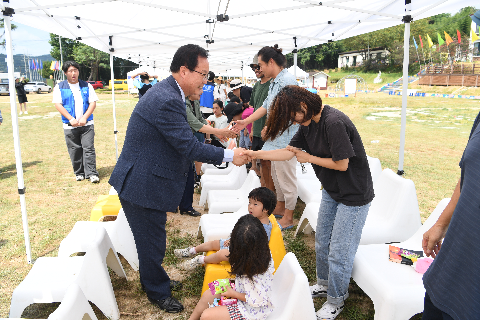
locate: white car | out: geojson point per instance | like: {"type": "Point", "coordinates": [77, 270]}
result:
{"type": "Point", "coordinates": [37, 87]}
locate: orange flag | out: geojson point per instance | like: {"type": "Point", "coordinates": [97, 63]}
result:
{"type": "Point", "coordinates": [459, 37]}
{"type": "Point", "coordinates": [448, 39]}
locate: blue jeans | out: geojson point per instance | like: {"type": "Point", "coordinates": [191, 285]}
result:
{"type": "Point", "coordinates": [244, 140]}
{"type": "Point", "coordinates": [430, 312]}
{"type": "Point", "coordinates": [338, 233]}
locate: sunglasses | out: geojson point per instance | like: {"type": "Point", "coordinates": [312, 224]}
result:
{"type": "Point", "coordinates": [257, 67]}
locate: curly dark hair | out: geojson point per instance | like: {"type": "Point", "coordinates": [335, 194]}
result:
{"type": "Point", "coordinates": [187, 56]}
{"type": "Point", "coordinates": [249, 250]}
{"type": "Point", "coordinates": [286, 104]}
{"type": "Point", "coordinates": [266, 197]}
{"type": "Point", "coordinates": [275, 53]}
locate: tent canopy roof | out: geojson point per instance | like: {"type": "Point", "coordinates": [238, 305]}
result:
{"type": "Point", "coordinates": [150, 31]}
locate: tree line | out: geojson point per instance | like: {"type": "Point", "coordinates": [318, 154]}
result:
{"type": "Point", "coordinates": [325, 56]}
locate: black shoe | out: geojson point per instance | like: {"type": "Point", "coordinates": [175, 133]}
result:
{"type": "Point", "coordinates": [174, 285]}
{"type": "Point", "coordinates": [193, 213]}
{"type": "Point", "coordinates": [169, 304]}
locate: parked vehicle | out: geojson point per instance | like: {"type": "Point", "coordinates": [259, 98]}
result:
{"type": "Point", "coordinates": [96, 84]}
{"type": "Point", "coordinates": [37, 87]}
{"type": "Point", "coordinates": [121, 84]}
{"type": "Point", "coordinates": [4, 89]}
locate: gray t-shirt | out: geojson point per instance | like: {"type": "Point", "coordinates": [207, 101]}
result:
{"type": "Point", "coordinates": [453, 279]}
{"type": "Point", "coordinates": [336, 137]}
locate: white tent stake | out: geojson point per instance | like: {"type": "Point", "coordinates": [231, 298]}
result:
{"type": "Point", "coordinates": [16, 135]}
{"type": "Point", "coordinates": [406, 48]}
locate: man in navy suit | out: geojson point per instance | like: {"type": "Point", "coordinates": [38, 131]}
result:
{"type": "Point", "coordinates": [152, 170]}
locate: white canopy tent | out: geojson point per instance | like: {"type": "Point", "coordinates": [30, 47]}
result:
{"type": "Point", "coordinates": [149, 32]}
{"type": "Point", "coordinates": [299, 73]}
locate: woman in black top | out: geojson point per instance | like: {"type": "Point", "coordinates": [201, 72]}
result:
{"type": "Point", "coordinates": [332, 145]}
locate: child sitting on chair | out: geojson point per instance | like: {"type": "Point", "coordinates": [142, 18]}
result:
{"type": "Point", "coordinates": [252, 264]}
{"type": "Point", "coordinates": [261, 203]}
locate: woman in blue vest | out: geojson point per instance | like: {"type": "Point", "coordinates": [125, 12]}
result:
{"type": "Point", "coordinates": [76, 100]}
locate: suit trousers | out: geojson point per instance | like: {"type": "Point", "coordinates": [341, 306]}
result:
{"type": "Point", "coordinates": [148, 228]}
{"type": "Point", "coordinates": [187, 198]}
{"type": "Point", "coordinates": [81, 150]}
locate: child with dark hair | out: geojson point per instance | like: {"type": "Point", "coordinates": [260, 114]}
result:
{"type": "Point", "coordinates": [261, 203]}
{"type": "Point", "coordinates": [252, 264]}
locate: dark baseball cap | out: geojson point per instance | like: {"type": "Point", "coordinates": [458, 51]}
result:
{"type": "Point", "coordinates": [232, 109]}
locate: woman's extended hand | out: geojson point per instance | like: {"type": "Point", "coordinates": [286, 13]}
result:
{"type": "Point", "coordinates": [239, 125]}
{"type": "Point", "coordinates": [302, 156]}
{"type": "Point", "coordinates": [249, 153]}
{"type": "Point", "coordinates": [228, 133]}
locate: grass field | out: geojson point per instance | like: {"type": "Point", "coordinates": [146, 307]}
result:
{"type": "Point", "coordinates": [436, 135]}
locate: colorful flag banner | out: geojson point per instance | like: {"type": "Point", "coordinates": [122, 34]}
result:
{"type": "Point", "coordinates": [474, 35]}
{"type": "Point", "coordinates": [41, 65]}
{"type": "Point", "coordinates": [421, 42]}
{"type": "Point", "coordinates": [448, 39]}
{"type": "Point", "coordinates": [415, 43]}
{"type": "Point", "coordinates": [430, 42]}
{"type": "Point", "coordinates": [52, 65]}
{"type": "Point", "coordinates": [459, 37]}
{"type": "Point", "coordinates": [440, 40]}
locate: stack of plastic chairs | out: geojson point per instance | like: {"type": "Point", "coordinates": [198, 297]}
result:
{"type": "Point", "coordinates": [230, 181]}
{"type": "Point", "coordinates": [396, 290]}
{"type": "Point", "coordinates": [50, 278]}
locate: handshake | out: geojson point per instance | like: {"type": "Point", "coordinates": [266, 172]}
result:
{"type": "Point", "coordinates": [241, 157]}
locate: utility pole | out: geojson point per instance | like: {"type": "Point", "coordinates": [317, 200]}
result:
{"type": "Point", "coordinates": [25, 63]}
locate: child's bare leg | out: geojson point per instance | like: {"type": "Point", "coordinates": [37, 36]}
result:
{"type": "Point", "coordinates": [198, 167]}
{"type": "Point", "coordinates": [208, 246]}
{"type": "Point", "coordinates": [206, 298]}
{"type": "Point", "coordinates": [218, 256]}
{"type": "Point", "coordinates": [217, 313]}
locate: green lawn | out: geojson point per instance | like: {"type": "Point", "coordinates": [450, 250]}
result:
{"type": "Point", "coordinates": [436, 135]}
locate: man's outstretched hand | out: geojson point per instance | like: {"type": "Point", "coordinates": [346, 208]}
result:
{"type": "Point", "coordinates": [239, 158]}
{"type": "Point", "coordinates": [239, 126]}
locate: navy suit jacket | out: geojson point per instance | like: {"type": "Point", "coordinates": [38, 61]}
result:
{"type": "Point", "coordinates": [158, 151]}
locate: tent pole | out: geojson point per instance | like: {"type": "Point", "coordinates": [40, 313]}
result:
{"type": "Point", "coordinates": [406, 47]}
{"type": "Point", "coordinates": [295, 58]}
{"type": "Point", "coordinates": [114, 112]}
{"type": "Point", "coordinates": [16, 134]}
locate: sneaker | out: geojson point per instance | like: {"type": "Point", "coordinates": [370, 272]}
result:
{"type": "Point", "coordinates": [80, 177]}
{"type": "Point", "coordinates": [21, 113]}
{"type": "Point", "coordinates": [318, 290]}
{"type": "Point", "coordinates": [94, 179]}
{"type": "Point", "coordinates": [183, 253]}
{"type": "Point", "coordinates": [329, 311]}
{"type": "Point", "coordinates": [191, 264]}
{"type": "Point", "coordinates": [26, 112]}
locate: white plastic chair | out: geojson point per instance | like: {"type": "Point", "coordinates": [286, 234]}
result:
{"type": "Point", "coordinates": [50, 277]}
{"type": "Point", "coordinates": [306, 173]}
{"type": "Point", "coordinates": [290, 292]}
{"type": "Point", "coordinates": [211, 169]}
{"type": "Point", "coordinates": [217, 226]}
{"type": "Point", "coordinates": [119, 232]}
{"type": "Point", "coordinates": [308, 221]}
{"type": "Point", "coordinates": [309, 190]}
{"type": "Point", "coordinates": [375, 274]}
{"type": "Point", "coordinates": [375, 167]}
{"type": "Point", "coordinates": [74, 306]}
{"type": "Point", "coordinates": [231, 181]}
{"type": "Point", "coordinates": [112, 192]}
{"type": "Point", "coordinates": [220, 201]}
{"type": "Point", "coordinates": [394, 215]}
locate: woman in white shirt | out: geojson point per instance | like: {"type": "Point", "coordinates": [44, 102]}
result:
{"type": "Point", "coordinates": [218, 120]}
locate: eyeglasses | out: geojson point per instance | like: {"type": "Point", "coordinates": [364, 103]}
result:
{"type": "Point", "coordinates": [254, 68]}
{"type": "Point", "coordinates": [205, 75]}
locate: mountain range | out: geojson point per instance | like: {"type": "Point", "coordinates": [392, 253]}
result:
{"type": "Point", "coordinates": [20, 63]}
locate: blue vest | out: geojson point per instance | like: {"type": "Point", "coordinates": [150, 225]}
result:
{"type": "Point", "coordinates": [206, 99]}
{"type": "Point", "coordinates": [69, 102]}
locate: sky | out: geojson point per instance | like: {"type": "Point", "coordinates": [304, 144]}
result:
{"type": "Point", "coordinates": [28, 40]}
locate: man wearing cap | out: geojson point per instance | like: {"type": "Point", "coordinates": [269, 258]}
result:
{"type": "Point", "coordinates": [259, 94]}
{"type": "Point", "coordinates": [241, 91]}
{"type": "Point", "coordinates": [22, 95]}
